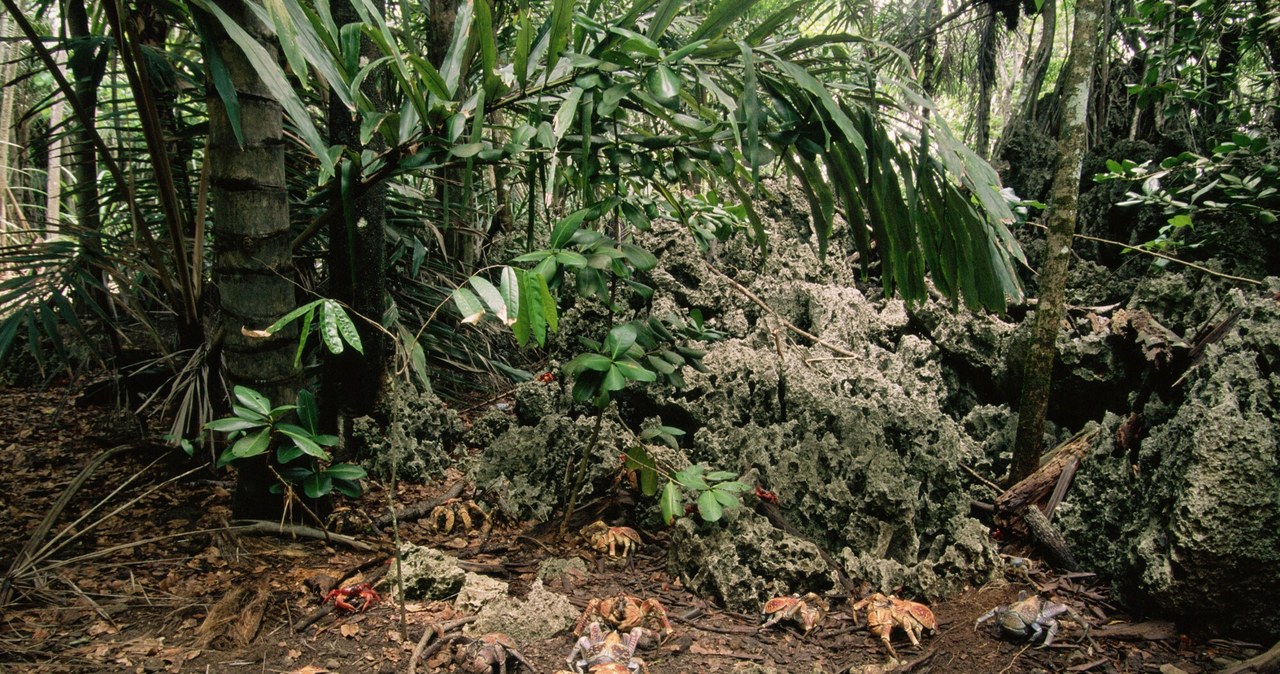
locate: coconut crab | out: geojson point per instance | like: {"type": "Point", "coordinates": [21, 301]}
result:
{"type": "Point", "coordinates": [604, 538]}
{"type": "Point", "coordinates": [808, 610]}
{"type": "Point", "coordinates": [489, 653]}
{"type": "Point", "coordinates": [362, 591]}
{"type": "Point", "coordinates": [885, 613]}
{"type": "Point", "coordinates": [1032, 618]}
{"type": "Point", "coordinates": [600, 653]}
{"type": "Point", "coordinates": [624, 612]}
{"type": "Point", "coordinates": [457, 511]}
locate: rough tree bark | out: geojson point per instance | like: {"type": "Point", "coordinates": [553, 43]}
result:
{"type": "Point", "coordinates": [252, 264]}
{"type": "Point", "coordinates": [357, 258]}
{"type": "Point", "coordinates": [1037, 374]}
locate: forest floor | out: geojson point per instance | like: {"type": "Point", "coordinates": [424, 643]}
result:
{"type": "Point", "coordinates": [196, 596]}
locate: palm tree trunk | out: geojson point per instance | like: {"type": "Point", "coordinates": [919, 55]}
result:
{"type": "Point", "coordinates": [253, 264]}
{"type": "Point", "coordinates": [1064, 194]}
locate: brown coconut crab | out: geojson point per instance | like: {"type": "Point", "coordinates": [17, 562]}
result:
{"type": "Point", "coordinates": [612, 653]}
{"type": "Point", "coordinates": [885, 613]}
{"type": "Point", "coordinates": [1032, 618]}
{"type": "Point", "coordinates": [605, 538]}
{"type": "Point", "coordinates": [625, 612]}
{"type": "Point", "coordinates": [808, 611]}
{"type": "Point", "coordinates": [489, 654]}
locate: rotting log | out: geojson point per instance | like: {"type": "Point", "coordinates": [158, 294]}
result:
{"type": "Point", "coordinates": [1040, 483]}
{"type": "Point", "coordinates": [1019, 501]}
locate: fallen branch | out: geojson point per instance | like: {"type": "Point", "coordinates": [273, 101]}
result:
{"type": "Point", "coordinates": [420, 510]}
{"type": "Point", "coordinates": [1266, 663]}
{"type": "Point", "coordinates": [1054, 544]}
{"type": "Point", "coordinates": [297, 531]}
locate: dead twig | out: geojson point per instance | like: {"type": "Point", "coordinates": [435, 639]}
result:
{"type": "Point", "coordinates": [419, 510]}
{"type": "Point", "coordinates": [297, 531]}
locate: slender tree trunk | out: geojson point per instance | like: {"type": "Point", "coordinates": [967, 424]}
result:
{"type": "Point", "coordinates": [987, 48]}
{"type": "Point", "coordinates": [87, 71]}
{"type": "Point", "coordinates": [1038, 372]}
{"type": "Point", "coordinates": [1029, 98]}
{"type": "Point", "coordinates": [53, 175]}
{"type": "Point", "coordinates": [253, 265]}
{"type": "Point", "coordinates": [10, 209]}
{"type": "Point", "coordinates": [357, 258]}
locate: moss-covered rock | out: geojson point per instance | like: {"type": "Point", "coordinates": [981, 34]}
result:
{"type": "Point", "coordinates": [1190, 525]}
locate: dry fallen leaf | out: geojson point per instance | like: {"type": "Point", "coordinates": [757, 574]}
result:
{"type": "Point", "coordinates": [349, 630]}
{"type": "Point", "coordinates": [310, 669]}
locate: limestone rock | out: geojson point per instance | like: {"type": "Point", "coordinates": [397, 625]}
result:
{"type": "Point", "coordinates": [479, 591]}
{"type": "Point", "coordinates": [540, 615]}
{"type": "Point", "coordinates": [429, 573]}
{"type": "Point", "coordinates": [1191, 526]}
{"type": "Point", "coordinates": [744, 560]}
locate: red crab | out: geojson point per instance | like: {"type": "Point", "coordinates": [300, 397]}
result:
{"type": "Point", "coordinates": [363, 591]}
{"type": "Point", "coordinates": [766, 495]}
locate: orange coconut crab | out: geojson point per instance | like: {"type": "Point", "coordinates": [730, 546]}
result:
{"type": "Point", "coordinates": [605, 538]}
{"type": "Point", "coordinates": [885, 613]}
{"type": "Point", "coordinates": [808, 610]}
{"type": "Point", "coordinates": [624, 612]}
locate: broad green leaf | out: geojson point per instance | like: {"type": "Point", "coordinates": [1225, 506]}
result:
{"type": "Point", "coordinates": [560, 22]}
{"type": "Point", "coordinates": [317, 485]}
{"type": "Point", "coordinates": [634, 371]}
{"type": "Point", "coordinates": [308, 411]}
{"type": "Point", "coordinates": [292, 315]}
{"type": "Point", "coordinates": [451, 67]}
{"type": "Point", "coordinates": [734, 487]}
{"type": "Point", "coordinates": [287, 453]}
{"type": "Point", "coordinates": [346, 471]}
{"type": "Point", "coordinates": [635, 215]}
{"type": "Point", "coordinates": [252, 444]}
{"type": "Point", "coordinates": [662, 18]}
{"type": "Point", "coordinates": [252, 399]}
{"type": "Point", "coordinates": [347, 488]}
{"type": "Point", "coordinates": [524, 39]}
{"type": "Point", "coordinates": [346, 327]}
{"type": "Point", "coordinates": [588, 361]}
{"type": "Point", "coordinates": [233, 424]}
{"type": "Point", "coordinates": [302, 439]}
{"type": "Point", "coordinates": [509, 288]}
{"type": "Point", "coordinates": [619, 339]}
{"type": "Point", "coordinates": [329, 333]}
{"type": "Point", "coordinates": [709, 507]}
{"type": "Point", "coordinates": [726, 499]}
{"type": "Point", "coordinates": [721, 475]}
{"type": "Point", "coordinates": [664, 85]}
{"type": "Point", "coordinates": [492, 298]}
{"type": "Point", "coordinates": [614, 380]}
{"type": "Point", "coordinates": [669, 503]}
{"type": "Point", "coordinates": [468, 305]}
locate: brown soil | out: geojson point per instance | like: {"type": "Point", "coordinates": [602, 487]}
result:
{"type": "Point", "coordinates": [199, 598]}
